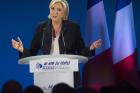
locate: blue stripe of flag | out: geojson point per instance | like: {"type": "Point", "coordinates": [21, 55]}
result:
{"type": "Point", "coordinates": [92, 3]}
{"type": "Point", "coordinates": [122, 3]}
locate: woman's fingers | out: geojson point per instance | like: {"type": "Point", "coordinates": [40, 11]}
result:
{"type": "Point", "coordinates": [17, 44]}
{"type": "Point", "coordinates": [20, 42]}
{"type": "Point", "coordinates": [96, 44]}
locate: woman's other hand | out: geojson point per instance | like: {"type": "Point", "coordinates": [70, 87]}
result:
{"type": "Point", "coordinates": [17, 44]}
{"type": "Point", "coordinates": [96, 44]}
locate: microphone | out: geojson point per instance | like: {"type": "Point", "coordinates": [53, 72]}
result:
{"type": "Point", "coordinates": [47, 26]}
{"type": "Point", "coordinates": [63, 39]}
{"type": "Point", "coordinates": [42, 42]}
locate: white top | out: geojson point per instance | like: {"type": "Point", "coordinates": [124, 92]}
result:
{"type": "Point", "coordinates": [55, 46]}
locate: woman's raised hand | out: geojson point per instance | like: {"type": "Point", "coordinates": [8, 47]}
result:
{"type": "Point", "coordinates": [96, 44]}
{"type": "Point", "coordinates": [17, 44]}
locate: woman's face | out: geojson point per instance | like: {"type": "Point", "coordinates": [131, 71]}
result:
{"type": "Point", "coordinates": [56, 12]}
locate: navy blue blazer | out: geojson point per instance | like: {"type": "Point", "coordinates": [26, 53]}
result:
{"type": "Point", "coordinates": [70, 40]}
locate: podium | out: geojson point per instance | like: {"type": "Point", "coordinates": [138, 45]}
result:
{"type": "Point", "coordinates": [50, 70]}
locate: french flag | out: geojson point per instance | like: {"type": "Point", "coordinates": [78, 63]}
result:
{"type": "Point", "coordinates": [124, 45]}
{"type": "Point", "coordinates": [98, 72]}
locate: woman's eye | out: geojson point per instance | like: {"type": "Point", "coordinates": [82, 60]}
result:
{"type": "Point", "coordinates": [52, 8]}
{"type": "Point", "coordinates": [59, 9]}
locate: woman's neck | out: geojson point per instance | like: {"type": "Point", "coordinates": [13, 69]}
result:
{"type": "Point", "coordinates": [57, 27]}
{"type": "Point", "coordinates": [56, 24]}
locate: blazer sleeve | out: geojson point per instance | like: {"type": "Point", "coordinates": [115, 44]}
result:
{"type": "Point", "coordinates": [35, 44]}
{"type": "Point", "coordinates": [81, 48]}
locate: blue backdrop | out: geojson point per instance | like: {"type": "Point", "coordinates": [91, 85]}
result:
{"type": "Point", "coordinates": [21, 17]}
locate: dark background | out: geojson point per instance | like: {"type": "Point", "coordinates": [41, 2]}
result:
{"type": "Point", "coordinates": [21, 17]}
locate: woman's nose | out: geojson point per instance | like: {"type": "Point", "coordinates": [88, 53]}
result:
{"type": "Point", "coordinates": [55, 11]}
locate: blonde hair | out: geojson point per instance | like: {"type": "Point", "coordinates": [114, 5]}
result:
{"type": "Point", "coordinates": [64, 4]}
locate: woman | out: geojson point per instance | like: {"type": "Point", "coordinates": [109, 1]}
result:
{"type": "Point", "coordinates": [58, 35]}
